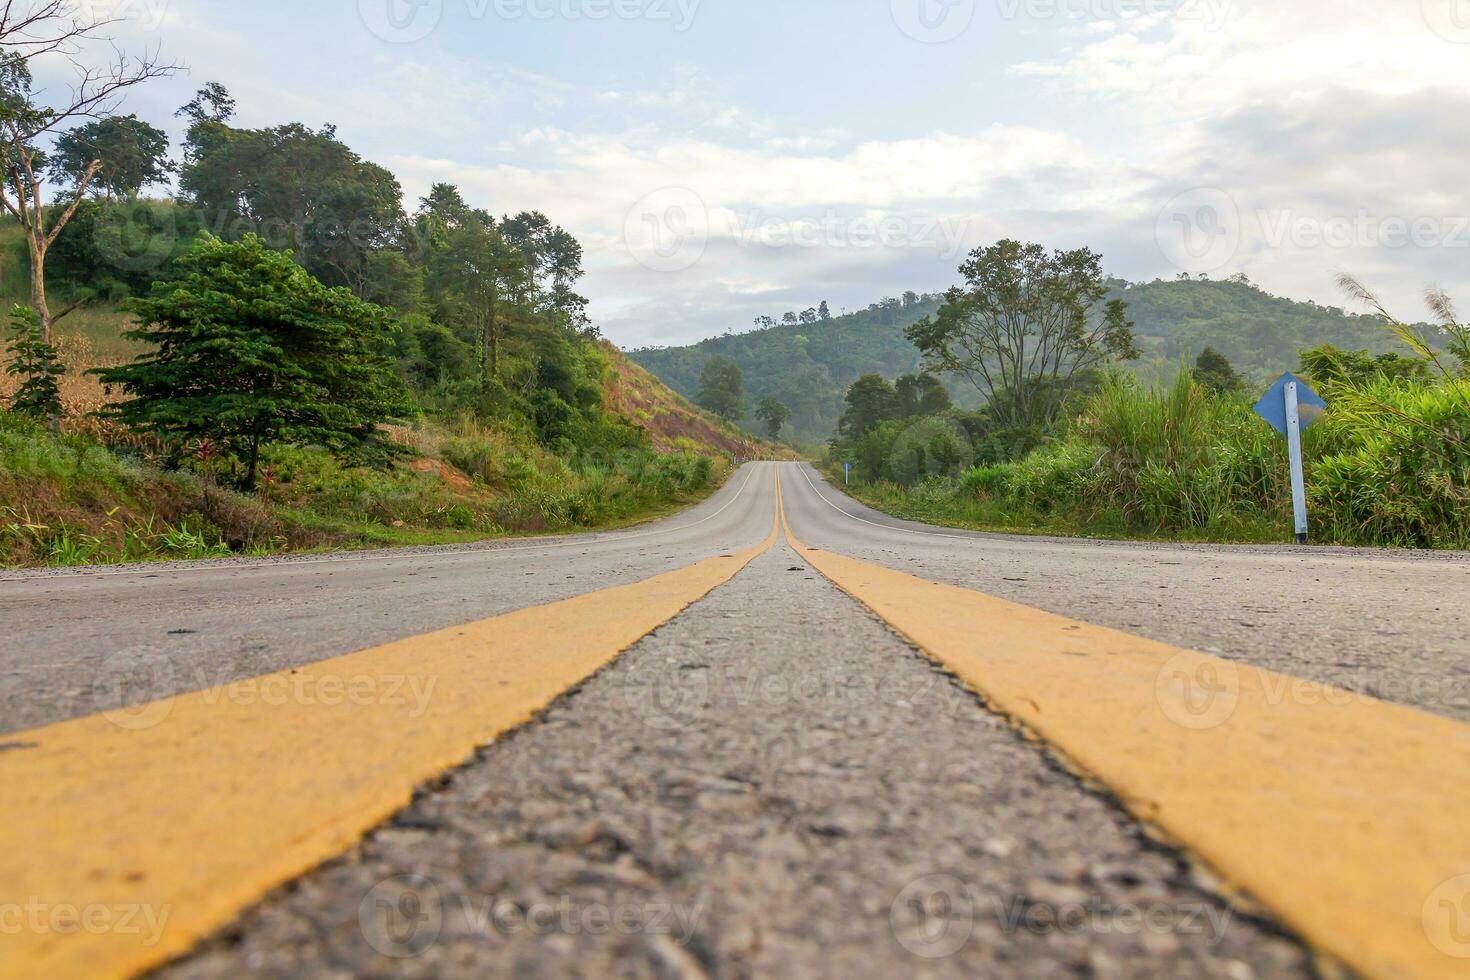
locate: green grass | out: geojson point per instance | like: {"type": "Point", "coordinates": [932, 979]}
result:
{"type": "Point", "coordinates": [73, 501]}
{"type": "Point", "coordinates": [1387, 465]}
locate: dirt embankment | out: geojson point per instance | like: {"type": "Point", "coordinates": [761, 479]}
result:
{"type": "Point", "coordinates": [671, 422]}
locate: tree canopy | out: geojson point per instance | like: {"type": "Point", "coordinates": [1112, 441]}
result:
{"type": "Point", "coordinates": [774, 415]}
{"type": "Point", "coordinates": [722, 388]}
{"type": "Point", "coordinates": [247, 349]}
{"type": "Point", "coordinates": [1024, 322]}
{"type": "Point", "coordinates": [133, 155]}
{"type": "Point", "coordinates": [870, 400]}
{"type": "Point", "coordinates": [1214, 370]}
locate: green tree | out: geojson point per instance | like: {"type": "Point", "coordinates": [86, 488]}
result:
{"type": "Point", "coordinates": [1215, 373]}
{"type": "Point", "coordinates": [212, 103]}
{"type": "Point", "coordinates": [298, 188]}
{"type": "Point", "coordinates": [132, 154]}
{"type": "Point", "coordinates": [29, 115]}
{"type": "Point", "coordinates": [1327, 364]}
{"type": "Point", "coordinates": [722, 388]}
{"type": "Point", "coordinates": [247, 349]}
{"type": "Point", "coordinates": [871, 400]}
{"type": "Point", "coordinates": [774, 414]}
{"type": "Point", "coordinates": [1025, 321]}
{"type": "Point", "coordinates": [921, 395]}
{"type": "Point", "coordinates": [35, 362]}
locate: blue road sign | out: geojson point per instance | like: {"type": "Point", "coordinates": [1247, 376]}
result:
{"type": "Point", "coordinates": [1272, 407]}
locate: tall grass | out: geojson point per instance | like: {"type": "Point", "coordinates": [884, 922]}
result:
{"type": "Point", "coordinates": [1397, 466]}
{"type": "Point", "coordinates": [1388, 464]}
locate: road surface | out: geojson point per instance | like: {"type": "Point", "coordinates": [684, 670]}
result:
{"type": "Point", "coordinates": [778, 758]}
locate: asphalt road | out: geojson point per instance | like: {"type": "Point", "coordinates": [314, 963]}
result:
{"type": "Point", "coordinates": [773, 782]}
{"type": "Point", "coordinates": [1392, 625]}
{"type": "Point", "coordinates": [81, 641]}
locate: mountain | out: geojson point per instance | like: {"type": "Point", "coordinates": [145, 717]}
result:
{"type": "Point", "coordinates": [806, 366]}
{"type": "Point", "coordinates": [809, 366]}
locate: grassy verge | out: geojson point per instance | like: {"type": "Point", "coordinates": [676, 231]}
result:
{"type": "Point", "coordinates": [74, 501]}
{"type": "Point", "coordinates": [1388, 465]}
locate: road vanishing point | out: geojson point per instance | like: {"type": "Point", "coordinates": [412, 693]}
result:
{"type": "Point", "coordinates": [779, 734]}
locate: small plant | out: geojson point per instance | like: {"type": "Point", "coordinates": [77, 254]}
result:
{"type": "Point", "coordinates": [37, 365]}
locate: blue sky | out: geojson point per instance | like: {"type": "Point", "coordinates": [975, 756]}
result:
{"type": "Point", "coordinates": [723, 159]}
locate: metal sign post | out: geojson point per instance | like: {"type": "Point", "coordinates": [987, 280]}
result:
{"type": "Point", "coordinates": [1291, 407]}
{"type": "Point", "coordinates": [1294, 449]}
{"type": "Point", "coordinates": [847, 474]}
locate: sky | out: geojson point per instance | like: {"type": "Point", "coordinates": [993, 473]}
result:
{"type": "Point", "coordinates": [726, 159]}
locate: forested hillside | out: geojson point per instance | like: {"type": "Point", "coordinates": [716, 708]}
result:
{"type": "Point", "coordinates": [284, 353]}
{"type": "Point", "coordinates": [805, 366]}
{"type": "Point", "coordinates": [809, 366]}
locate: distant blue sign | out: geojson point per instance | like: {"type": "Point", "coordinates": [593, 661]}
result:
{"type": "Point", "coordinates": [1272, 407]}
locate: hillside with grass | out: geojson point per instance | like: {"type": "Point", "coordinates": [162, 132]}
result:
{"type": "Point", "coordinates": [206, 374]}
{"type": "Point", "coordinates": [808, 367]}
{"type": "Point", "coordinates": [100, 495]}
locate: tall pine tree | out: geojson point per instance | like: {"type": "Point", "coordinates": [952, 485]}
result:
{"type": "Point", "coordinates": [35, 362]}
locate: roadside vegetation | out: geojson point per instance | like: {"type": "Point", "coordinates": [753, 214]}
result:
{"type": "Point", "coordinates": [281, 356]}
{"type": "Point", "coordinates": [1096, 452]}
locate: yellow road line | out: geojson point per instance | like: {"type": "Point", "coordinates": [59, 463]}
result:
{"type": "Point", "coordinates": [128, 836]}
{"type": "Point", "coordinates": [1344, 815]}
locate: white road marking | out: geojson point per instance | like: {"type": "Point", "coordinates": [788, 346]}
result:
{"type": "Point", "coordinates": [886, 527]}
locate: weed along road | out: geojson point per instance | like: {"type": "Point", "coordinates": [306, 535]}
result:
{"type": "Point", "coordinates": [778, 734]}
